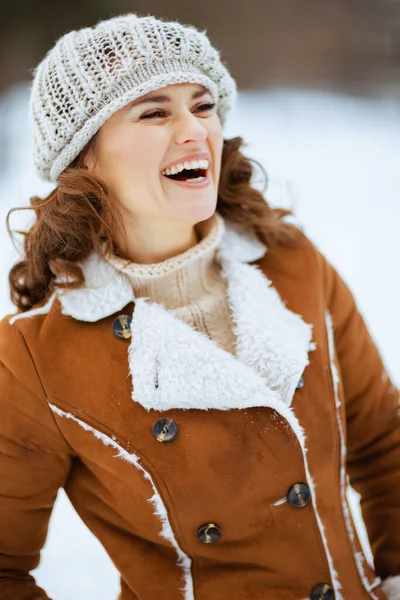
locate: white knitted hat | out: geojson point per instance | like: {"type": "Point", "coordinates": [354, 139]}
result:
{"type": "Point", "coordinates": [91, 73]}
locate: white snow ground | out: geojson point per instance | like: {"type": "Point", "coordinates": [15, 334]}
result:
{"type": "Point", "coordinates": [336, 161]}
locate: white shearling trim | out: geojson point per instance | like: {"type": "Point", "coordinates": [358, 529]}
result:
{"type": "Point", "coordinates": [334, 575]}
{"type": "Point", "coordinates": [358, 556]}
{"type": "Point", "coordinates": [391, 588]}
{"type": "Point", "coordinates": [376, 583]}
{"type": "Point", "coordinates": [268, 364]}
{"type": "Point", "coordinates": [240, 244]}
{"type": "Point", "coordinates": [191, 369]}
{"type": "Point", "coordinates": [280, 502]}
{"type": "Point", "coordinates": [40, 310]}
{"type": "Point", "coordinates": [160, 510]}
{"type": "Point", "coordinates": [278, 349]}
{"type": "Point", "coordinates": [106, 291]}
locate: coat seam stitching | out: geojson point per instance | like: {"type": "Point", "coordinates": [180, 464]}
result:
{"type": "Point", "coordinates": [344, 504]}
{"type": "Point", "coordinates": [147, 464]}
{"type": "Point", "coordinates": [156, 490]}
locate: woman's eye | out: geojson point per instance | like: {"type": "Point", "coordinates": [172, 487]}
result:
{"type": "Point", "coordinates": [160, 113]}
{"type": "Point", "coordinates": [156, 113]}
{"type": "Point", "coordinates": [208, 106]}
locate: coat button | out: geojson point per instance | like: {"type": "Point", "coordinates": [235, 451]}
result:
{"type": "Point", "coordinates": [122, 327]}
{"type": "Point", "coordinates": [299, 495]}
{"type": "Point", "coordinates": [323, 591]}
{"type": "Point", "coordinates": [300, 383]}
{"type": "Point", "coordinates": [165, 430]}
{"type": "Point", "coordinates": [209, 533]}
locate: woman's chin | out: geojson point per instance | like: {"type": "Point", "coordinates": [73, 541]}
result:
{"type": "Point", "coordinates": [200, 209]}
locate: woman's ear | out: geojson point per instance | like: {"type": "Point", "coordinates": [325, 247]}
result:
{"type": "Point", "coordinates": [89, 157]}
{"type": "Point", "coordinates": [88, 162]}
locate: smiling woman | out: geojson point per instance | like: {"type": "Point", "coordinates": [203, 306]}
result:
{"type": "Point", "coordinates": [184, 362]}
{"type": "Point", "coordinates": [148, 161]}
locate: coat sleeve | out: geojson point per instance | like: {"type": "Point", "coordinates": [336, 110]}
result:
{"type": "Point", "coordinates": [372, 405]}
{"type": "Point", "coordinates": [34, 463]}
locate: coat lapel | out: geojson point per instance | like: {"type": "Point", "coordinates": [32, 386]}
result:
{"type": "Point", "coordinates": [174, 366]}
{"type": "Point", "coordinates": [273, 341]}
{"type": "Point", "coordinates": [106, 291]}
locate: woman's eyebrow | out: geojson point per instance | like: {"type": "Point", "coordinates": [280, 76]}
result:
{"type": "Point", "coordinates": [160, 98]}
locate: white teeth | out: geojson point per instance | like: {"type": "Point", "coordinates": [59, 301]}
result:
{"type": "Point", "coordinates": [192, 164]}
{"type": "Point", "coordinates": [195, 180]}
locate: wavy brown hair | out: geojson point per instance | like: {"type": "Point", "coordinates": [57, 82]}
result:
{"type": "Point", "coordinates": [77, 217]}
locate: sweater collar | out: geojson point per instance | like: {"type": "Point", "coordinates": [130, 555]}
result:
{"type": "Point", "coordinates": [108, 289]}
{"type": "Point", "coordinates": [183, 279]}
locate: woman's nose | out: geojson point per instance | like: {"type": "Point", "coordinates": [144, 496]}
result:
{"type": "Point", "coordinates": [190, 128]}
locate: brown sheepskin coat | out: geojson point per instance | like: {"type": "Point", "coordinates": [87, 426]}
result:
{"type": "Point", "coordinates": [205, 475]}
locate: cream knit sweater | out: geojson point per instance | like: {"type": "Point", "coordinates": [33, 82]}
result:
{"type": "Point", "coordinates": [190, 284]}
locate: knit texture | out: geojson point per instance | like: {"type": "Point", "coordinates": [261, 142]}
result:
{"type": "Point", "coordinates": [91, 73]}
{"type": "Point", "coordinates": [190, 285]}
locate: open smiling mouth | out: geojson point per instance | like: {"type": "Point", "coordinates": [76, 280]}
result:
{"type": "Point", "coordinates": [188, 173]}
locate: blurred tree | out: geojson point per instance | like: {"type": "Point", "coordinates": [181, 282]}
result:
{"type": "Point", "coordinates": [313, 43]}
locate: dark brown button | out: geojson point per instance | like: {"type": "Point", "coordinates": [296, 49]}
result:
{"type": "Point", "coordinates": [165, 430]}
{"type": "Point", "coordinates": [299, 495]}
{"type": "Point", "coordinates": [322, 591]}
{"type": "Point", "coordinates": [209, 533]}
{"type": "Point", "coordinates": [122, 327]}
{"type": "Point", "coordinates": [300, 383]}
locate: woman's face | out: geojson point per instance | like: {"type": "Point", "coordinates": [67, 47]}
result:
{"type": "Point", "coordinates": [159, 130]}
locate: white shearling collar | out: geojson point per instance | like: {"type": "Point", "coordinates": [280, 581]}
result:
{"type": "Point", "coordinates": [272, 342]}
{"type": "Point", "coordinates": [107, 290]}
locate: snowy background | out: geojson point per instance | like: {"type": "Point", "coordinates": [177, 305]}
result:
{"type": "Point", "coordinates": [336, 161]}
